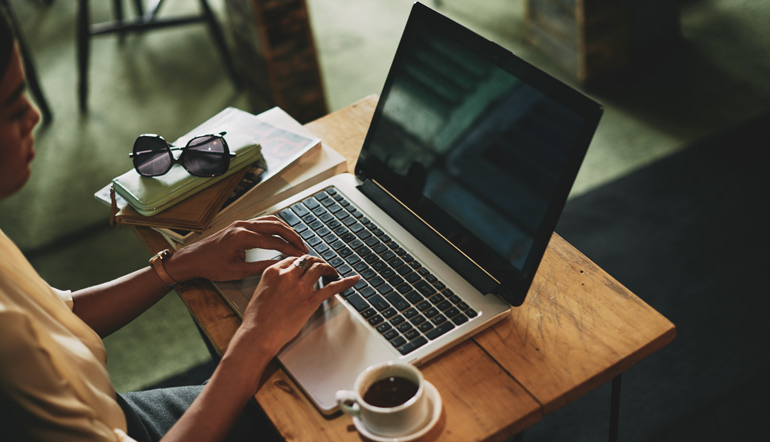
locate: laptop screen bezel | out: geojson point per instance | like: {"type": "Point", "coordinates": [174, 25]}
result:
{"type": "Point", "coordinates": [511, 284]}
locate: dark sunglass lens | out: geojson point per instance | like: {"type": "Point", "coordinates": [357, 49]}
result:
{"type": "Point", "coordinates": [151, 156]}
{"type": "Point", "coordinates": [206, 156]}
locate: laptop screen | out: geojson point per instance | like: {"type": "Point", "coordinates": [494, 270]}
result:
{"type": "Point", "coordinates": [475, 143]}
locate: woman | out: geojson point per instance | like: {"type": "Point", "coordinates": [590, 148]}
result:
{"type": "Point", "coordinates": [54, 383]}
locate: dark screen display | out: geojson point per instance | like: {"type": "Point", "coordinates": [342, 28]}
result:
{"type": "Point", "coordinates": [474, 151]}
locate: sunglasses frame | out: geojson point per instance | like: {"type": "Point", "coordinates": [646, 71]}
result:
{"type": "Point", "coordinates": [170, 147]}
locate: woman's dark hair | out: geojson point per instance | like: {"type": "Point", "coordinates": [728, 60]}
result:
{"type": "Point", "coordinates": [7, 39]}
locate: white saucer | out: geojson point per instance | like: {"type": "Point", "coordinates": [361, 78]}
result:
{"type": "Point", "coordinates": [434, 405]}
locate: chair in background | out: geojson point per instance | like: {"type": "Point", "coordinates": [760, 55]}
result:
{"type": "Point", "coordinates": [147, 20]}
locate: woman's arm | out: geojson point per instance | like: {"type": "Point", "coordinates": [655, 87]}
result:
{"type": "Point", "coordinates": [220, 257]}
{"type": "Point", "coordinates": [282, 303]}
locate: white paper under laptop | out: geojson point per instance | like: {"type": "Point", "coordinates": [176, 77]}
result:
{"type": "Point", "coordinates": [466, 167]}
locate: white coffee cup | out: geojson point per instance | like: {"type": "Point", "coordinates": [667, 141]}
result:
{"type": "Point", "coordinates": [393, 420]}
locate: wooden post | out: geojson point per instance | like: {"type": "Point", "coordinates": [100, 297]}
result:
{"type": "Point", "coordinates": [276, 56]}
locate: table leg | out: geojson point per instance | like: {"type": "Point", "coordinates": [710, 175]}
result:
{"type": "Point", "coordinates": [615, 408]}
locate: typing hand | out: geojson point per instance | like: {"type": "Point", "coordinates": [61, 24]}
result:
{"type": "Point", "coordinates": [287, 295]}
{"type": "Point", "coordinates": [222, 256]}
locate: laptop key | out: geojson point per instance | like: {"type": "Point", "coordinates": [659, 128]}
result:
{"type": "Point", "coordinates": [398, 342]}
{"type": "Point", "coordinates": [390, 333]}
{"type": "Point", "coordinates": [431, 312]}
{"type": "Point", "coordinates": [398, 301]}
{"type": "Point", "coordinates": [425, 288]}
{"type": "Point", "coordinates": [360, 266]}
{"type": "Point", "coordinates": [404, 288]}
{"type": "Point", "coordinates": [319, 211]}
{"type": "Point", "coordinates": [387, 273]}
{"type": "Point", "coordinates": [440, 330]}
{"type": "Point", "coordinates": [414, 297]}
{"type": "Point", "coordinates": [411, 334]}
{"type": "Point", "coordinates": [438, 319]}
{"type": "Point", "coordinates": [379, 248]}
{"type": "Point", "coordinates": [376, 281]}
{"type": "Point", "coordinates": [384, 289]}
{"type": "Point", "coordinates": [412, 277]}
{"type": "Point", "coordinates": [412, 345]}
{"type": "Point", "coordinates": [321, 247]}
{"type": "Point", "coordinates": [379, 266]}
{"type": "Point", "coordinates": [419, 319]}
{"type": "Point", "coordinates": [452, 312]}
{"type": "Point", "coordinates": [425, 326]}
{"type": "Point", "coordinates": [358, 302]}
{"type": "Point", "coordinates": [310, 202]}
{"type": "Point", "coordinates": [367, 291]}
{"type": "Point", "coordinates": [460, 319]}
{"type": "Point", "coordinates": [289, 216]}
{"type": "Point", "coordinates": [313, 241]}
{"type": "Point", "coordinates": [404, 327]}
{"type": "Point", "coordinates": [300, 210]}
{"type": "Point", "coordinates": [389, 312]}
{"type": "Point", "coordinates": [379, 302]}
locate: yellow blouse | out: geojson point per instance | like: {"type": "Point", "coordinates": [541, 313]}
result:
{"type": "Point", "coordinates": [53, 367]}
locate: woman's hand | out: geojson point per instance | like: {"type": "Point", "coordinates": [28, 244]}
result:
{"type": "Point", "coordinates": [222, 256]}
{"type": "Point", "coordinates": [283, 301]}
{"type": "Point", "coordinates": [286, 297]}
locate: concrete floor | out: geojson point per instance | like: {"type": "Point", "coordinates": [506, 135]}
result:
{"type": "Point", "coordinates": [168, 81]}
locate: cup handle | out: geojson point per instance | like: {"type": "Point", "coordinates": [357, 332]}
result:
{"type": "Point", "coordinates": [347, 402]}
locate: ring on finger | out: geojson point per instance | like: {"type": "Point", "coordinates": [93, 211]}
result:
{"type": "Point", "coordinates": [302, 262]}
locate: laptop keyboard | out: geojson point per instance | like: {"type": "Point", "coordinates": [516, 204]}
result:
{"type": "Point", "coordinates": [396, 294]}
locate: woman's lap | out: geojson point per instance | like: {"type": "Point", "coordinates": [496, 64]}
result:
{"type": "Point", "coordinates": [151, 413]}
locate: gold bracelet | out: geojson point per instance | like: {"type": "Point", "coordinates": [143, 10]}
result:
{"type": "Point", "coordinates": [157, 263]}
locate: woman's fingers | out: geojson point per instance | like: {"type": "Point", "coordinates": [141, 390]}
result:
{"type": "Point", "coordinates": [270, 226]}
{"type": "Point", "coordinates": [337, 286]}
{"type": "Point", "coordinates": [267, 242]}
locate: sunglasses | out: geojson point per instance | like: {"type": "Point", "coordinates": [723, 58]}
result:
{"type": "Point", "coordinates": [203, 156]}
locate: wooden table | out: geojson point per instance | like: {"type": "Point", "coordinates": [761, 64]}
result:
{"type": "Point", "coordinates": [578, 329]}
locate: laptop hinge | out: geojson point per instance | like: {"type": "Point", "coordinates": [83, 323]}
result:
{"type": "Point", "coordinates": [462, 264]}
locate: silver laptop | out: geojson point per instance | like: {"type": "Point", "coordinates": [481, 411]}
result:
{"type": "Point", "coordinates": [465, 169]}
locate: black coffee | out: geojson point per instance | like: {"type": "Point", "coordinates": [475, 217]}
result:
{"type": "Point", "coordinates": [390, 392]}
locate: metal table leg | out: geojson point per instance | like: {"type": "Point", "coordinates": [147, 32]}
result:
{"type": "Point", "coordinates": [615, 408]}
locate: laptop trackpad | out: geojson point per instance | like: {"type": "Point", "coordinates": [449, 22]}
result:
{"type": "Point", "coordinates": [320, 359]}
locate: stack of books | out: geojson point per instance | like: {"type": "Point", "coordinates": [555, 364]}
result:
{"type": "Point", "coordinates": [293, 159]}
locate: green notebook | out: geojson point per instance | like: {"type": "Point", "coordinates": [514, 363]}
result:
{"type": "Point", "coordinates": [152, 195]}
